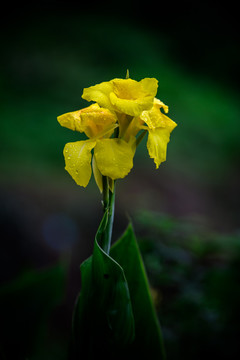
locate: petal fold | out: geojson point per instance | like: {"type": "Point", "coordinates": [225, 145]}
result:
{"type": "Point", "coordinates": [154, 119]}
{"type": "Point", "coordinates": [100, 94]}
{"type": "Point", "coordinates": [131, 107]}
{"type": "Point", "coordinates": [132, 97]}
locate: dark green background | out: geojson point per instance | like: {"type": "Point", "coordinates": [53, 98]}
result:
{"type": "Point", "coordinates": [50, 51]}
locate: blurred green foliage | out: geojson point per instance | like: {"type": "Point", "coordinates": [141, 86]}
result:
{"type": "Point", "coordinates": [194, 273]}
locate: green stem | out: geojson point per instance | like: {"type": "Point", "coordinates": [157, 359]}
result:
{"type": "Point", "coordinates": [108, 206]}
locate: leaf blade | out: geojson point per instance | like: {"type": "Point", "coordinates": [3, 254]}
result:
{"type": "Point", "coordinates": [103, 318]}
{"type": "Point", "coordinates": [148, 340]}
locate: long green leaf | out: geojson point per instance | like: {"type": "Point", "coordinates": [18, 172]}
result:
{"type": "Point", "coordinates": [103, 321]}
{"type": "Point", "coordinates": [148, 338]}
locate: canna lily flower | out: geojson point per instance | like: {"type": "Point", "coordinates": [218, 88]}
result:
{"type": "Point", "coordinates": [112, 157]}
{"type": "Point", "coordinates": [124, 111]}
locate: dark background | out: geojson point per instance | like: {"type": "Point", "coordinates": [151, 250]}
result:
{"type": "Point", "coordinates": [186, 214]}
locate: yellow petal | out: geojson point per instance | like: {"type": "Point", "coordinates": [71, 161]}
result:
{"type": "Point", "coordinates": [131, 89]}
{"type": "Point", "coordinates": [126, 89]}
{"type": "Point", "coordinates": [167, 122]}
{"type": "Point", "coordinates": [100, 94]}
{"type": "Point", "coordinates": [96, 121]}
{"type": "Point", "coordinates": [97, 175]}
{"type": "Point", "coordinates": [111, 184]}
{"type": "Point", "coordinates": [157, 144]}
{"type": "Point", "coordinates": [149, 85]}
{"type": "Point", "coordinates": [78, 160]}
{"type": "Point", "coordinates": [114, 157]}
{"type": "Point", "coordinates": [70, 120]}
{"type": "Point", "coordinates": [160, 104]}
{"type": "Point", "coordinates": [154, 118]}
{"type": "Point", "coordinates": [132, 97]}
{"type": "Point", "coordinates": [93, 120]}
{"type": "Point", "coordinates": [131, 107]}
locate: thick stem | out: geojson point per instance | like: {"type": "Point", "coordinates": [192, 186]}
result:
{"type": "Point", "coordinates": [108, 204]}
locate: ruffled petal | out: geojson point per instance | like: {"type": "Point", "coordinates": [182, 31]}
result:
{"type": "Point", "coordinates": [96, 121]}
{"type": "Point", "coordinates": [114, 157]}
{"type": "Point", "coordinates": [160, 104]}
{"type": "Point", "coordinates": [132, 97]}
{"type": "Point", "coordinates": [167, 122]}
{"type": "Point", "coordinates": [157, 144]}
{"type": "Point", "coordinates": [100, 94]}
{"type": "Point", "coordinates": [78, 160]}
{"type": "Point", "coordinates": [71, 120]}
{"type": "Point", "coordinates": [131, 107]}
{"type": "Point", "coordinates": [149, 85]}
{"type": "Point", "coordinates": [154, 119]}
{"type": "Point", "coordinates": [130, 89]}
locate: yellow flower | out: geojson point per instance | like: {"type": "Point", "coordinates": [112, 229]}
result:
{"type": "Point", "coordinates": [124, 95]}
{"type": "Point", "coordinates": [112, 157]}
{"type": "Point", "coordinates": [124, 110]}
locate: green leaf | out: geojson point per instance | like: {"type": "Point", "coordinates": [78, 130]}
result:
{"type": "Point", "coordinates": [109, 281]}
{"type": "Point", "coordinates": [115, 316]}
{"type": "Point", "coordinates": [148, 339]}
{"type": "Point", "coordinates": [103, 320]}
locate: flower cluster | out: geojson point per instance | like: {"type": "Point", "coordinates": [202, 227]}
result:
{"type": "Point", "coordinates": [124, 110]}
